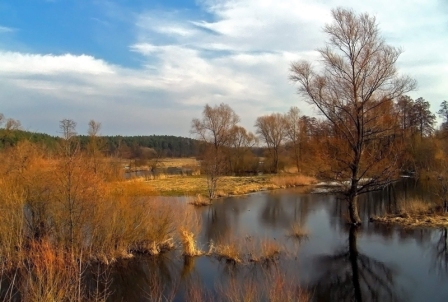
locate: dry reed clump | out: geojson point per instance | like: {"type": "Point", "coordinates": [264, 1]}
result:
{"type": "Point", "coordinates": [281, 288]}
{"type": "Point", "coordinates": [414, 213]}
{"type": "Point", "coordinates": [189, 244]}
{"type": "Point", "coordinates": [415, 206]}
{"type": "Point", "coordinates": [247, 250]}
{"type": "Point", "coordinates": [275, 287]}
{"type": "Point", "coordinates": [298, 231]}
{"type": "Point", "coordinates": [229, 252]}
{"type": "Point", "coordinates": [235, 291]}
{"type": "Point", "coordinates": [188, 227]}
{"type": "Point", "coordinates": [264, 251]}
{"type": "Point", "coordinates": [50, 274]}
{"type": "Point", "coordinates": [200, 201]}
{"type": "Point", "coordinates": [286, 181]}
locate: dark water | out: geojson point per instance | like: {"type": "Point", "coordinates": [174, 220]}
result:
{"type": "Point", "coordinates": [335, 263]}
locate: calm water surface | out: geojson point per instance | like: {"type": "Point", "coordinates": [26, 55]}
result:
{"type": "Point", "coordinates": [335, 263]}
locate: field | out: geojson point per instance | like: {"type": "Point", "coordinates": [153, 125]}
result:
{"type": "Point", "coordinates": [176, 185]}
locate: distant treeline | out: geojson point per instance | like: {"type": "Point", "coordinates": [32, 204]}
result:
{"type": "Point", "coordinates": [9, 138]}
{"type": "Point", "coordinates": [122, 146]}
{"type": "Point", "coordinates": [158, 145]}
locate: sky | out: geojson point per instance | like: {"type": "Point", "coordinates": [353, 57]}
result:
{"type": "Point", "coordinates": [143, 67]}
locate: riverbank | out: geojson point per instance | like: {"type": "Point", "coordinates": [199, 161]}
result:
{"type": "Point", "coordinates": [227, 185]}
{"type": "Point", "coordinates": [428, 220]}
{"type": "Point", "coordinates": [415, 213]}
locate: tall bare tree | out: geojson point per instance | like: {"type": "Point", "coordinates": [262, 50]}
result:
{"type": "Point", "coordinates": [271, 129]}
{"type": "Point", "coordinates": [214, 129]}
{"type": "Point", "coordinates": [443, 113]}
{"type": "Point", "coordinates": [424, 118]}
{"type": "Point", "coordinates": [354, 90]}
{"type": "Point", "coordinates": [95, 145]}
{"type": "Point", "coordinates": [293, 125]}
{"type": "Point", "coordinates": [239, 149]}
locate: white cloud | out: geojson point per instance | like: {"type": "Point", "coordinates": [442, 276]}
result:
{"type": "Point", "coordinates": [239, 54]}
{"type": "Point", "coordinates": [4, 29]}
{"type": "Point", "coordinates": [12, 62]}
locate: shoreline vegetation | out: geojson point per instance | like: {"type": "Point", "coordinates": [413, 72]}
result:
{"type": "Point", "coordinates": [196, 186]}
{"type": "Point", "coordinates": [69, 218]}
{"type": "Point", "coordinates": [415, 213]}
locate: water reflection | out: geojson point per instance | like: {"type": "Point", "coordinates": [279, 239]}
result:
{"type": "Point", "coordinates": [350, 275]}
{"type": "Point", "coordinates": [440, 253]}
{"type": "Point", "coordinates": [375, 262]}
{"type": "Point", "coordinates": [145, 279]}
{"type": "Point", "coordinates": [281, 210]}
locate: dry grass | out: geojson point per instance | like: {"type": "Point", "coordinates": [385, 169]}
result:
{"type": "Point", "coordinates": [298, 231]}
{"type": "Point", "coordinates": [281, 288]}
{"type": "Point", "coordinates": [265, 251]}
{"type": "Point", "coordinates": [235, 291]}
{"type": "Point", "coordinates": [415, 213]}
{"type": "Point", "coordinates": [287, 181]}
{"type": "Point", "coordinates": [227, 185]}
{"type": "Point", "coordinates": [189, 244]}
{"type": "Point", "coordinates": [200, 201]}
{"type": "Point", "coordinates": [179, 162]}
{"type": "Point", "coordinates": [188, 228]}
{"type": "Point", "coordinates": [229, 252]}
{"type": "Point", "coordinates": [247, 250]}
{"type": "Point", "coordinates": [415, 206]}
{"type": "Point", "coordinates": [276, 287]}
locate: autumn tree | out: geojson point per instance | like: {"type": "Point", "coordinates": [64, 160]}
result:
{"type": "Point", "coordinates": [293, 127]}
{"type": "Point", "coordinates": [239, 149]}
{"type": "Point", "coordinates": [76, 189]}
{"type": "Point", "coordinates": [353, 90]}
{"type": "Point", "coordinates": [443, 113]}
{"type": "Point", "coordinates": [214, 130]}
{"type": "Point", "coordinates": [424, 118]}
{"type": "Point", "coordinates": [272, 130]}
{"type": "Point", "coordinates": [95, 145]}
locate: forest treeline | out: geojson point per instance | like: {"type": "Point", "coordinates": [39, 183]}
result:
{"type": "Point", "coordinates": [287, 141]}
{"type": "Point", "coordinates": [294, 142]}
{"type": "Point", "coordinates": [128, 147]}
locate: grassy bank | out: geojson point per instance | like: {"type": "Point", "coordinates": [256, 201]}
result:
{"type": "Point", "coordinates": [227, 185]}
{"type": "Point", "coordinates": [415, 213]}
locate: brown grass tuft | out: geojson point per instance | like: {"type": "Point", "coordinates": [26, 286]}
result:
{"type": "Point", "coordinates": [265, 251]}
{"type": "Point", "coordinates": [415, 206]}
{"type": "Point", "coordinates": [287, 181]}
{"type": "Point", "coordinates": [276, 287]}
{"type": "Point", "coordinates": [200, 201]}
{"type": "Point", "coordinates": [189, 243]}
{"type": "Point", "coordinates": [229, 252]}
{"type": "Point", "coordinates": [298, 231]}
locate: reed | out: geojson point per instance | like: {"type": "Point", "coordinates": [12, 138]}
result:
{"type": "Point", "coordinates": [298, 231]}
{"type": "Point", "coordinates": [286, 181]}
{"type": "Point", "coordinates": [200, 201]}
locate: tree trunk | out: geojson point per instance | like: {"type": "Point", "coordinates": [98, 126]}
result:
{"type": "Point", "coordinates": [353, 249]}
{"type": "Point", "coordinates": [353, 210]}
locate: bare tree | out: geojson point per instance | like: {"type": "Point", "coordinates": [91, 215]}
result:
{"type": "Point", "coordinates": [214, 130]}
{"type": "Point", "coordinates": [96, 144]}
{"type": "Point", "coordinates": [443, 113]}
{"type": "Point", "coordinates": [68, 131]}
{"type": "Point", "coordinates": [271, 129]}
{"type": "Point", "coordinates": [293, 125]}
{"type": "Point", "coordinates": [239, 148]}
{"type": "Point", "coordinates": [424, 118]}
{"type": "Point", "coordinates": [12, 124]}
{"type": "Point", "coordinates": [354, 90]}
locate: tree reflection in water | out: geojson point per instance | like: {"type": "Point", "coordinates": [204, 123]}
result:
{"type": "Point", "coordinates": [350, 275]}
{"type": "Point", "coordinates": [440, 253]}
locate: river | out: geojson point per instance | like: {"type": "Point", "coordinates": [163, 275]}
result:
{"type": "Point", "coordinates": [334, 263]}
